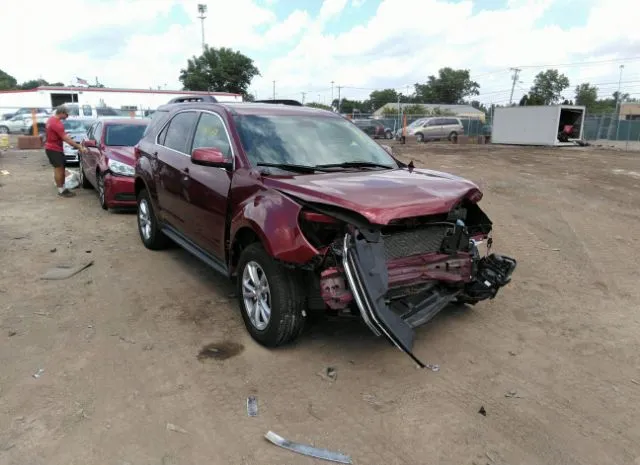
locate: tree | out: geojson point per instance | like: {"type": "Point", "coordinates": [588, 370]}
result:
{"type": "Point", "coordinates": [547, 87]}
{"type": "Point", "coordinates": [348, 106]}
{"type": "Point", "coordinates": [379, 98]}
{"type": "Point", "coordinates": [33, 83]}
{"type": "Point", "coordinates": [318, 105]}
{"type": "Point", "coordinates": [480, 106]}
{"type": "Point", "coordinates": [219, 69]}
{"type": "Point", "coordinates": [450, 87]}
{"type": "Point", "coordinates": [7, 82]}
{"type": "Point", "coordinates": [587, 95]}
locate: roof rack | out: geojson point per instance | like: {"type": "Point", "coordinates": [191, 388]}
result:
{"type": "Point", "coordinates": [194, 98]}
{"type": "Point", "coordinates": [293, 103]}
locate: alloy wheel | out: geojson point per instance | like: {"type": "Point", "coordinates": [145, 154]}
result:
{"type": "Point", "coordinates": [144, 219]}
{"type": "Point", "coordinates": [256, 295]}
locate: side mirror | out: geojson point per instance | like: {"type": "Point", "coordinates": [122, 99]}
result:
{"type": "Point", "coordinates": [210, 156]}
{"type": "Point", "coordinates": [89, 143]}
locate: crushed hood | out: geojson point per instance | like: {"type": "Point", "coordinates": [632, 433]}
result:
{"type": "Point", "coordinates": [122, 154]}
{"type": "Point", "coordinates": [379, 196]}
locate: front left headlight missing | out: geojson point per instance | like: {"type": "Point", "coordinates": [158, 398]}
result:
{"type": "Point", "coordinates": [117, 167]}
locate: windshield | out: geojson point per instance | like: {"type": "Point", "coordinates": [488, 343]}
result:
{"type": "Point", "coordinates": [74, 125]}
{"type": "Point", "coordinates": [126, 135]}
{"type": "Point", "coordinates": [307, 140]}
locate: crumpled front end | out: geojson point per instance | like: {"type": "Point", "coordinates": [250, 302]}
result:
{"type": "Point", "coordinates": [400, 275]}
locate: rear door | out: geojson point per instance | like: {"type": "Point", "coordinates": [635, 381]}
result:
{"type": "Point", "coordinates": [174, 162]}
{"type": "Point", "coordinates": [208, 187]}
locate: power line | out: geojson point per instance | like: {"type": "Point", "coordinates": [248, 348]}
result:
{"type": "Point", "coordinates": [580, 63]}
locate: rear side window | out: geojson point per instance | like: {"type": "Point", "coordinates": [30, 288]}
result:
{"type": "Point", "coordinates": [179, 131]}
{"type": "Point", "coordinates": [155, 120]}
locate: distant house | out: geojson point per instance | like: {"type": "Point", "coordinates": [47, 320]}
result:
{"type": "Point", "coordinates": [462, 111]}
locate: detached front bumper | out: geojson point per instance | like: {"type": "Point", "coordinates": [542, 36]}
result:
{"type": "Point", "coordinates": [368, 276]}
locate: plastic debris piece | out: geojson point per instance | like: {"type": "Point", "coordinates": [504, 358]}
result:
{"type": "Point", "coordinates": [64, 272]}
{"type": "Point", "coordinates": [4, 172]}
{"type": "Point", "coordinates": [176, 429]}
{"type": "Point", "coordinates": [252, 406]}
{"type": "Point", "coordinates": [38, 373]}
{"type": "Point", "coordinates": [482, 411]}
{"type": "Point", "coordinates": [307, 450]}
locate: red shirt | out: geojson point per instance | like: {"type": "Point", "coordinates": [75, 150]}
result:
{"type": "Point", "coordinates": [55, 134]}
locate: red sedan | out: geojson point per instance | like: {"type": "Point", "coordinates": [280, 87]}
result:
{"type": "Point", "coordinates": [108, 165]}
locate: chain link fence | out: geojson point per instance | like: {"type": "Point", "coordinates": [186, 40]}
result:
{"type": "Point", "coordinates": [612, 131]}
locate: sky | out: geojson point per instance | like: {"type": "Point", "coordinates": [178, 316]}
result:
{"type": "Point", "coordinates": [304, 45]}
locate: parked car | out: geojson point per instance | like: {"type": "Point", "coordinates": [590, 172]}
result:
{"type": "Point", "coordinates": [436, 128]}
{"type": "Point", "coordinates": [398, 134]}
{"type": "Point", "coordinates": [108, 166]}
{"type": "Point", "coordinates": [22, 123]}
{"type": "Point", "coordinates": [25, 111]}
{"type": "Point", "coordinates": [77, 128]}
{"type": "Point", "coordinates": [311, 215]}
{"type": "Point", "coordinates": [374, 128]}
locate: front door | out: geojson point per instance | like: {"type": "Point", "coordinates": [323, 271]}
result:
{"type": "Point", "coordinates": [90, 159]}
{"type": "Point", "coordinates": [208, 190]}
{"type": "Point", "coordinates": [174, 162]}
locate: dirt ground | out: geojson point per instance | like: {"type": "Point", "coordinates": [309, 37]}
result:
{"type": "Point", "coordinates": [554, 359]}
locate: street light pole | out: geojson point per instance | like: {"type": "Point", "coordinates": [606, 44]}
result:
{"type": "Point", "coordinates": [202, 10]}
{"type": "Point", "coordinates": [619, 102]}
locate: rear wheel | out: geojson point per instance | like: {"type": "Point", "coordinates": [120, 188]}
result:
{"type": "Point", "coordinates": [271, 298]}
{"type": "Point", "coordinates": [148, 227]}
{"type": "Point", "coordinates": [4, 130]}
{"type": "Point", "coordinates": [84, 182]}
{"type": "Point", "coordinates": [453, 136]}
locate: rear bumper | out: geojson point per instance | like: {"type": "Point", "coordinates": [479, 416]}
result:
{"type": "Point", "coordinates": [369, 276]}
{"type": "Point", "coordinates": [119, 191]}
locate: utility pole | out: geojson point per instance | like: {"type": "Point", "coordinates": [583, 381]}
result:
{"type": "Point", "coordinates": [274, 90]}
{"type": "Point", "coordinates": [303, 94]}
{"type": "Point", "coordinates": [331, 93]}
{"type": "Point", "coordinates": [202, 9]}
{"type": "Point", "coordinates": [516, 71]}
{"type": "Point", "coordinates": [339, 102]}
{"type": "Point", "coordinates": [619, 102]}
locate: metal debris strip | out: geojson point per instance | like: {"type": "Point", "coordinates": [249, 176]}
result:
{"type": "Point", "coordinates": [252, 406]}
{"type": "Point", "coordinates": [38, 373]}
{"type": "Point", "coordinates": [307, 450]}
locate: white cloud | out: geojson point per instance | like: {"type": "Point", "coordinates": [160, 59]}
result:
{"type": "Point", "coordinates": [402, 43]}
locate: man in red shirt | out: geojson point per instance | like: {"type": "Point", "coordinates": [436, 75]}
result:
{"type": "Point", "coordinates": [56, 135]}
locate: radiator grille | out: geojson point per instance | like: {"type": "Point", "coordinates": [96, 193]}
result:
{"type": "Point", "coordinates": [414, 242]}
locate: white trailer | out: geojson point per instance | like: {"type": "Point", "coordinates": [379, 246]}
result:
{"type": "Point", "coordinates": [537, 125]}
{"type": "Point", "coordinates": [121, 99]}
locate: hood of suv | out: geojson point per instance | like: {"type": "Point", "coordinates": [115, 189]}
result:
{"type": "Point", "coordinates": [122, 154]}
{"type": "Point", "coordinates": [379, 196]}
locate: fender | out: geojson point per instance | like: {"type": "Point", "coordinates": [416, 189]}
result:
{"type": "Point", "coordinates": [274, 219]}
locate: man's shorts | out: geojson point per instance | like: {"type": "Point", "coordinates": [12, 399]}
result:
{"type": "Point", "coordinates": [55, 158]}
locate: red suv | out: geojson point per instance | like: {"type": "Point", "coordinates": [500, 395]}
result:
{"type": "Point", "coordinates": [309, 214]}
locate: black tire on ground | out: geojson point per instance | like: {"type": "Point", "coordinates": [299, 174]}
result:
{"type": "Point", "coordinates": [84, 182]}
{"type": "Point", "coordinates": [287, 298]}
{"type": "Point", "coordinates": [102, 193]}
{"type": "Point", "coordinates": [153, 238]}
{"type": "Point", "coordinates": [4, 130]}
{"type": "Point", "coordinates": [453, 136]}
{"type": "Point", "coordinates": [388, 135]}
{"type": "Point", "coordinates": [420, 137]}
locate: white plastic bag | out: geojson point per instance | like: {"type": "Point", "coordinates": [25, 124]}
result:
{"type": "Point", "coordinates": [72, 179]}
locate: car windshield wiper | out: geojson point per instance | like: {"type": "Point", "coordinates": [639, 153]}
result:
{"type": "Point", "coordinates": [290, 167]}
{"type": "Point", "coordinates": [355, 164]}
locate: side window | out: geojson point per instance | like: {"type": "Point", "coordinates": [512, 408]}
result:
{"type": "Point", "coordinates": [177, 137]}
{"type": "Point", "coordinates": [86, 110]}
{"type": "Point", "coordinates": [431, 122]}
{"type": "Point", "coordinates": [451, 122]}
{"type": "Point", "coordinates": [97, 133]}
{"type": "Point", "coordinates": [211, 133]}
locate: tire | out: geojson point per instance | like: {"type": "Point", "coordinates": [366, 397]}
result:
{"type": "Point", "coordinates": [420, 137]}
{"type": "Point", "coordinates": [84, 182]}
{"type": "Point", "coordinates": [285, 296]}
{"type": "Point", "coordinates": [453, 136]}
{"type": "Point", "coordinates": [152, 238]}
{"type": "Point", "coordinates": [102, 194]}
{"type": "Point", "coordinates": [388, 135]}
{"type": "Point", "coordinates": [4, 130]}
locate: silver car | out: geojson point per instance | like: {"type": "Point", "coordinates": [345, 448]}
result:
{"type": "Point", "coordinates": [77, 128]}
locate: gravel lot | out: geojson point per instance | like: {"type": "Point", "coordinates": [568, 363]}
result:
{"type": "Point", "coordinates": [554, 359]}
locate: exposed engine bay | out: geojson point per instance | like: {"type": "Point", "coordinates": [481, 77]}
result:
{"type": "Point", "coordinates": [400, 275]}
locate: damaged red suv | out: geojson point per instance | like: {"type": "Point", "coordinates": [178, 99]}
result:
{"type": "Point", "coordinates": [308, 214]}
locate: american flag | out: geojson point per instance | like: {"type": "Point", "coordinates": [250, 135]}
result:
{"type": "Point", "coordinates": [81, 81]}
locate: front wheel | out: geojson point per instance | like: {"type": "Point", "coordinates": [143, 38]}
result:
{"type": "Point", "coordinates": [4, 130]}
{"type": "Point", "coordinates": [453, 136]}
{"type": "Point", "coordinates": [388, 135]}
{"type": "Point", "coordinates": [148, 227]}
{"type": "Point", "coordinates": [271, 298]}
{"type": "Point", "coordinates": [102, 194]}
{"type": "Point", "coordinates": [420, 137]}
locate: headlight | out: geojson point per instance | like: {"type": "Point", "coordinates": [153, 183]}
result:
{"type": "Point", "coordinates": [120, 168]}
{"type": "Point", "coordinates": [68, 149]}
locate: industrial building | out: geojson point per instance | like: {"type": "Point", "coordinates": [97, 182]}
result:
{"type": "Point", "coordinates": [119, 99]}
